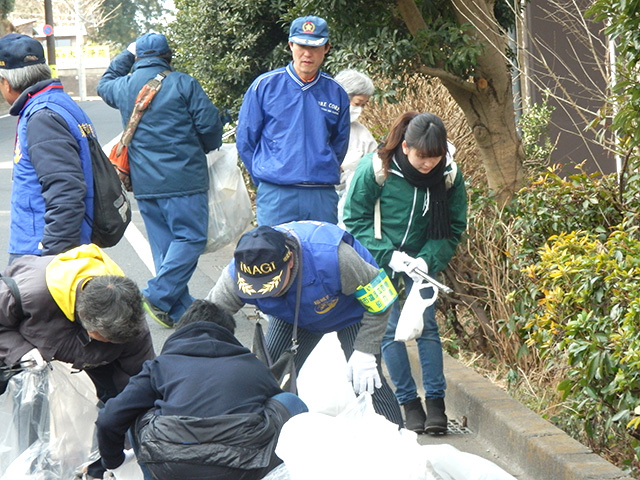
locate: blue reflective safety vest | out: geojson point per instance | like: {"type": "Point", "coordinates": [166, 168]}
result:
{"type": "Point", "coordinates": [323, 306]}
{"type": "Point", "coordinates": [27, 202]}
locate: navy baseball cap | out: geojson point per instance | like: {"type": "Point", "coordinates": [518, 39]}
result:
{"type": "Point", "coordinates": [17, 51]}
{"type": "Point", "coordinates": [311, 30]}
{"type": "Point", "coordinates": [261, 258]}
{"type": "Point", "coordinates": [151, 45]}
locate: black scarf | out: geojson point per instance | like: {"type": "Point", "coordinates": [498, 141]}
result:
{"type": "Point", "coordinates": [433, 182]}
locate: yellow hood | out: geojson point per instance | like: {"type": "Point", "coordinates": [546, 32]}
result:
{"type": "Point", "coordinates": [67, 269]}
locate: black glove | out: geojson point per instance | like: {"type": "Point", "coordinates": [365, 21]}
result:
{"type": "Point", "coordinates": [6, 372]}
{"type": "Point", "coordinates": [96, 469]}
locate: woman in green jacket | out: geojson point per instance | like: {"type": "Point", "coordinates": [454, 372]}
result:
{"type": "Point", "coordinates": [422, 213]}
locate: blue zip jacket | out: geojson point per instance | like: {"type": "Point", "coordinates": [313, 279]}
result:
{"type": "Point", "coordinates": [167, 153]}
{"type": "Point", "coordinates": [52, 193]}
{"type": "Point", "coordinates": [291, 132]}
{"type": "Point", "coordinates": [323, 306]}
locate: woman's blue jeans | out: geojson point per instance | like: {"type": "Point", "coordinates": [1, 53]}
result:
{"type": "Point", "coordinates": [429, 351]}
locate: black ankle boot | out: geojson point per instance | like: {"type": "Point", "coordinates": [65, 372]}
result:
{"type": "Point", "coordinates": [414, 415]}
{"type": "Point", "coordinates": [436, 423]}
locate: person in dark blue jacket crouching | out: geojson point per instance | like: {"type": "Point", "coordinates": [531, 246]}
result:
{"type": "Point", "coordinates": [206, 407]}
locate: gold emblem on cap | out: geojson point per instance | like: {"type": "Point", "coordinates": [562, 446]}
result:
{"type": "Point", "coordinates": [308, 27]}
{"type": "Point", "coordinates": [244, 287]}
{"type": "Point", "coordinates": [273, 284]}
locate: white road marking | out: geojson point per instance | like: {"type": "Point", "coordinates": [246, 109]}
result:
{"type": "Point", "coordinates": [133, 235]}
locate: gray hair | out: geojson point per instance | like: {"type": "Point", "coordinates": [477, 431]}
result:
{"type": "Point", "coordinates": [355, 83]}
{"type": "Point", "coordinates": [22, 78]}
{"type": "Point", "coordinates": [111, 305]}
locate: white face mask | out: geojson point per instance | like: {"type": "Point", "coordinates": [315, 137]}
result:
{"type": "Point", "coordinates": [354, 113]}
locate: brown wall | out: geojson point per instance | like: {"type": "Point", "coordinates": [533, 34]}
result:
{"type": "Point", "coordinates": [572, 72]}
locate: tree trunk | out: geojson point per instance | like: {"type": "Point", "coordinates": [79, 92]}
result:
{"type": "Point", "coordinates": [489, 109]}
{"type": "Point", "coordinates": [490, 114]}
{"type": "Point", "coordinates": [488, 102]}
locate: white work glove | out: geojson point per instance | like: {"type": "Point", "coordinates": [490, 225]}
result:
{"type": "Point", "coordinates": [33, 360]}
{"type": "Point", "coordinates": [399, 261]}
{"type": "Point", "coordinates": [417, 264]}
{"type": "Point", "coordinates": [121, 471]}
{"type": "Point", "coordinates": [362, 371]}
{"type": "Point", "coordinates": [132, 48]}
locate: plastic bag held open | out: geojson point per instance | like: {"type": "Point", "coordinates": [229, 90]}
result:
{"type": "Point", "coordinates": [411, 322]}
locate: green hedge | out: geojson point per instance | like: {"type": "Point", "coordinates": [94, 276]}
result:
{"type": "Point", "coordinates": [577, 302]}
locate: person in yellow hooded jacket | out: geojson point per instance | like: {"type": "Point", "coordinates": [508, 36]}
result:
{"type": "Point", "coordinates": [76, 307]}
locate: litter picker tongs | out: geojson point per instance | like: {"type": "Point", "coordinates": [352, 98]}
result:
{"type": "Point", "coordinates": [433, 281]}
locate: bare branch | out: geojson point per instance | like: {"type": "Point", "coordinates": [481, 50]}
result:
{"type": "Point", "coordinates": [448, 77]}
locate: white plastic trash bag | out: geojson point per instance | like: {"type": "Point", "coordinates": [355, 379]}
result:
{"type": "Point", "coordinates": [358, 443]}
{"type": "Point", "coordinates": [230, 211]}
{"type": "Point", "coordinates": [449, 463]}
{"type": "Point", "coordinates": [281, 472]}
{"type": "Point", "coordinates": [411, 322]}
{"type": "Point", "coordinates": [47, 420]}
{"type": "Point", "coordinates": [322, 381]}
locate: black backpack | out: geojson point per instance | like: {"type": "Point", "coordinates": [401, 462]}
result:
{"type": "Point", "coordinates": [111, 206]}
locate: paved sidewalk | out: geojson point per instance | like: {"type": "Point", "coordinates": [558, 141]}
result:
{"type": "Point", "coordinates": [516, 438]}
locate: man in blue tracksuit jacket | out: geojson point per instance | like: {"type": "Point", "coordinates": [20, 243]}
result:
{"type": "Point", "coordinates": [167, 158]}
{"type": "Point", "coordinates": [293, 132]}
{"type": "Point", "coordinates": [52, 193]}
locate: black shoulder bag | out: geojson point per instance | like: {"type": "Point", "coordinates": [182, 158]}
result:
{"type": "Point", "coordinates": [284, 368]}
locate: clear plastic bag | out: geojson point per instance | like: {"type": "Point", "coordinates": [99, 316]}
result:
{"type": "Point", "coordinates": [230, 211]}
{"type": "Point", "coordinates": [411, 322]}
{"type": "Point", "coordinates": [48, 422]}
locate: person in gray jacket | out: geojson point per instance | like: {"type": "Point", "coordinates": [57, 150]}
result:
{"type": "Point", "coordinates": [76, 307]}
{"type": "Point", "coordinates": [338, 285]}
{"type": "Point", "coordinates": [167, 159]}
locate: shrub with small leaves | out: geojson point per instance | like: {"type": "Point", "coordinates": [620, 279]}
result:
{"type": "Point", "coordinates": [534, 126]}
{"type": "Point", "coordinates": [588, 311]}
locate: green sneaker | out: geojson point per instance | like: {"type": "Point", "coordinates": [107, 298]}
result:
{"type": "Point", "coordinates": [158, 315]}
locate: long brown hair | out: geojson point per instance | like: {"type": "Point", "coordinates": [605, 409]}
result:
{"type": "Point", "coordinates": [395, 138]}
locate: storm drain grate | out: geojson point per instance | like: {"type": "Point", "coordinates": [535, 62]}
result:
{"type": "Point", "coordinates": [457, 427]}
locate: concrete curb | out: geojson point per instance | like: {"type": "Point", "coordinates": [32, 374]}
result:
{"type": "Point", "coordinates": [530, 442]}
